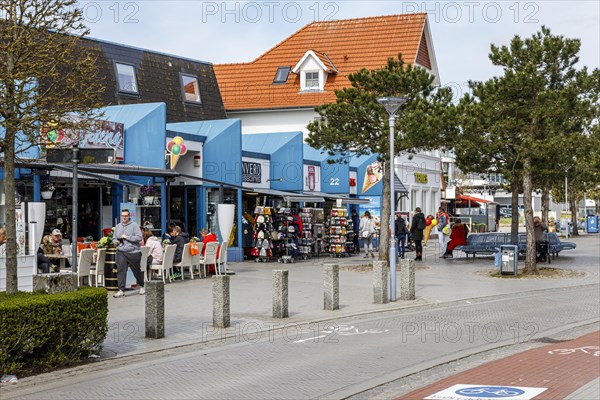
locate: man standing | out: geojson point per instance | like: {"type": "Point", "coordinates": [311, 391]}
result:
{"type": "Point", "coordinates": [401, 233]}
{"type": "Point", "coordinates": [442, 221]}
{"type": "Point", "coordinates": [127, 237]}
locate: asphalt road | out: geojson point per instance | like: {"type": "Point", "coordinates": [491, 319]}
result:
{"type": "Point", "coordinates": [332, 360]}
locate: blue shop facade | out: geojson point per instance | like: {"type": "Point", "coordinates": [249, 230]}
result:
{"type": "Point", "coordinates": [218, 166]}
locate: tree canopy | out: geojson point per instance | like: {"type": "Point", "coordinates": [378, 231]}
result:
{"type": "Point", "coordinates": [358, 124]}
{"type": "Point", "coordinates": [46, 74]}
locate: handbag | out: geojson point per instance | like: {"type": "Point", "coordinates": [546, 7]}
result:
{"type": "Point", "coordinates": [446, 230]}
{"type": "Point", "coordinates": [194, 250]}
{"type": "Point", "coordinates": [365, 234]}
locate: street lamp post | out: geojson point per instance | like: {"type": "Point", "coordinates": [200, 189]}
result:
{"type": "Point", "coordinates": [567, 202]}
{"type": "Point", "coordinates": [392, 105]}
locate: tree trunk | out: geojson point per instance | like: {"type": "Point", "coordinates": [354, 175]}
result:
{"type": "Point", "coordinates": [12, 284]}
{"type": "Point", "coordinates": [531, 254]}
{"type": "Point", "coordinates": [545, 204]}
{"type": "Point", "coordinates": [573, 208]}
{"type": "Point", "coordinates": [514, 223]}
{"type": "Point", "coordinates": [596, 202]}
{"type": "Point", "coordinates": [384, 224]}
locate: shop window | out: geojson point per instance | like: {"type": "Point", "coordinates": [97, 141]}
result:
{"type": "Point", "coordinates": [126, 78]}
{"type": "Point", "coordinates": [190, 88]}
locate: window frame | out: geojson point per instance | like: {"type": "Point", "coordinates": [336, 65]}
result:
{"type": "Point", "coordinates": [183, 92]}
{"type": "Point", "coordinates": [306, 80]}
{"type": "Point", "coordinates": [125, 91]}
{"type": "Point", "coordinates": [287, 75]}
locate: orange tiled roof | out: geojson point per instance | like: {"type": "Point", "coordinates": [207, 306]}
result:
{"type": "Point", "coordinates": [344, 45]}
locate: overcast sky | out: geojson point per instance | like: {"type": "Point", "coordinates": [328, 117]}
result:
{"type": "Point", "coordinates": [239, 31]}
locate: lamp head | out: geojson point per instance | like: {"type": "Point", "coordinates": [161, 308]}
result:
{"type": "Point", "coordinates": [392, 104]}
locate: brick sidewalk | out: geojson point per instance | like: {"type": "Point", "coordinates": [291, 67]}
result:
{"type": "Point", "coordinates": [560, 372]}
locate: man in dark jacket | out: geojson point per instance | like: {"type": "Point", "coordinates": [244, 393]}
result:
{"type": "Point", "coordinates": [416, 231]}
{"type": "Point", "coordinates": [180, 239]}
{"type": "Point", "coordinates": [401, 233]}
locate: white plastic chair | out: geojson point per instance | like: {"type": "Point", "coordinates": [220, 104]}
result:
{"type": "Point", "coordinates": [97, 272]}
{"type": "Point", "coordinates": [144, 261]}
{"type": "Point", "coordinates": [167, 265]}
{"type": "Point", "coordinates": [186, 261]}
{"type": "Point", "coordinates": [67, 249]}
{"type": "Point", "coordinates": [197, 259]}
{"type": "Point", "coordinates": [84, 265]}
{"type": "Point", "coordinates": [210, 255]}
{"type": "Point", "coordinates": [221, 267]}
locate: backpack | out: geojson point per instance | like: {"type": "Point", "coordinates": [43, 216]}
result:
{"type": "Point", "coordinates": [421, 224]}
{"type": "Point", "coordinates": [401, 226]}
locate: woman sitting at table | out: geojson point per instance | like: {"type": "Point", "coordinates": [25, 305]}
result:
{"type": "Point", "coordinates": [155, 256]}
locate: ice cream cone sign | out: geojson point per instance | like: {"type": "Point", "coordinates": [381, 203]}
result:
{"type": "Point", "coordinates": [175, 148]}
{"type": "Point", "coordinates": [373, 175]}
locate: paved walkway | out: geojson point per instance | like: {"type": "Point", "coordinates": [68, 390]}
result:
{"type": "Point", "coordinates": [565, 370]}
{"type": "Point", "coordinates": [188, 312]}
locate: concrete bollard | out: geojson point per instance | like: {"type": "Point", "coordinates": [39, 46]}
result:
{"type": "Point", "coordinates": [380, 282]}
{"type": "Point", "coordinates": [55, 283]}
{"type": "Point", "coordinates": [155, 309]}
{"type": "Point", "coordinates": [220, 290]}
{"type": "Point", "coordinates": [407, 279]}
{"type": "Point", "coordinates": [331, 287]}
{"type": "Point", "coordinates": [280, 293]}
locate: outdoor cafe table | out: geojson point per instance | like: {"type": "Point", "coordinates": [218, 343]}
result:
{"type": "Point", "coordinates": [60, 257]}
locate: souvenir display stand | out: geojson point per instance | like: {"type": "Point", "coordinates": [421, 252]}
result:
{"type": "Point", "coordinates": [287, 232]}
{"type": "Point", "coordinates": [306, 242]}
{"type": "Point", "coordinates": [262, 235]}
{"type": "Point", "coordinates": [337, 231]}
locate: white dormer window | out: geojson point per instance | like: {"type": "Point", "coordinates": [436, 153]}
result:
{"type": "Point", "coordinates": [314, 68]}
{"type": "Point", "coordinates": [311, 80]}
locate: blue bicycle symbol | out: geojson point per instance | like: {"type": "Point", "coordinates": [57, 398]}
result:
{"type": "Point", "coordinates": [492, 392]}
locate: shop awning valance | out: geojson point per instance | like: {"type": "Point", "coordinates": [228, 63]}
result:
{"type": "Point", "coordinates": [469, 201]}
{"type": "Point", "coordinates": [288, 196]}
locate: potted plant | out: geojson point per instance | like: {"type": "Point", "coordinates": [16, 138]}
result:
{"type": "Point", "coordinates": [147, 193]}
{"type": "Point", "coordinates": [47, 189]}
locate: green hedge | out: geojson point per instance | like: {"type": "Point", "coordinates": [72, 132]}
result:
{"type": "Point", "coordinates": [40, 332]}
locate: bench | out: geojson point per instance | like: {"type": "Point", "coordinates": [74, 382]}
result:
{"type": "Point", "coordinates": [489, 243]}
{"type": "Point", "coordinates": [485, 243]}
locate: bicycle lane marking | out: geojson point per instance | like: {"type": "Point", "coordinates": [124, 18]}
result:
{"type": "Point", "coordinates": [486, 392]}
{"type": "Point", "coordinates": [560, 369]}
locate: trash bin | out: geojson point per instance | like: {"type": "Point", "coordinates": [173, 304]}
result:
{"type": "Point", "coordinates": [592, 224]}
{"type": "Point", "coordinates": [509, 259]}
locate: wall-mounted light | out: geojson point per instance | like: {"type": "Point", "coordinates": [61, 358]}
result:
{"type": "Point", "coordinates": [275, 180]}
{"type": "Point", "coordinates": [197, 162]}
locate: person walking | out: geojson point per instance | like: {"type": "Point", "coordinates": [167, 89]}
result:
{"type": "Point", "coordinates": [127, 238]}
{"type": "Point", "coordinates": [442, 220]}
{"type": "Point", "coordinates": [417, 227]}
{"type": "Point", "coordinates": [401, 233]}
{"type": "Point", "coordinates": [367, 229]}
{"type": "Point", "coordinates": [458, 237]}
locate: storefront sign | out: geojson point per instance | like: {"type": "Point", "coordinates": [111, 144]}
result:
{"type": "Point", "coordinates": [251, 172]}
{"type": "Point", "coordinates": [101, 135]}
{"type": "Point", "coordinates": [421, 178]}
